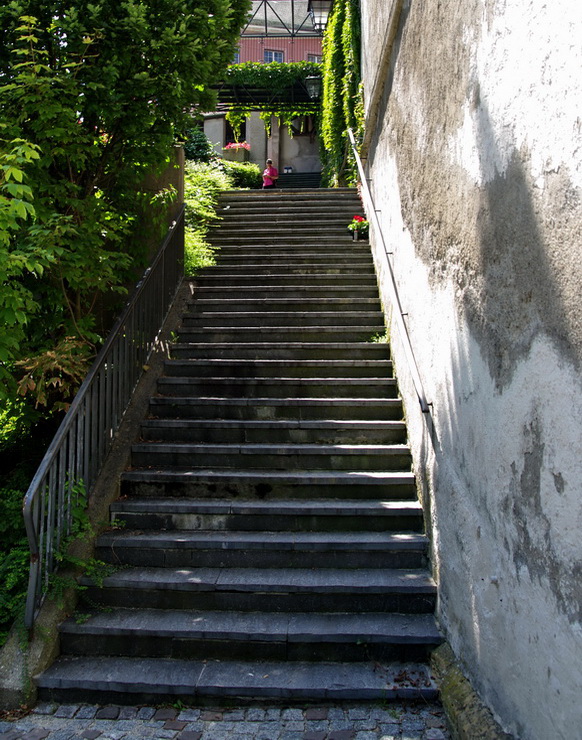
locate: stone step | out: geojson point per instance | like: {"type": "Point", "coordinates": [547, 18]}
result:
{"type": "Point", "coordinates": [272, 292]}
{"type": "Point", "coordinates": [327, 589]}
{"type": "Point", "coordinates": [318, 515]}
{"type": "Point", "coordinates": [211, 431]}
{"type": "Point", "coordinates": [271, 456]}
{"type": "Point", "coordinates": [262, 368]}
{"type": "Point", "coordinates": [126, 680]}
{"type": "Point", "coordinates": [243, 408]}
{"type": "Point", "coordinates": [359, 249]}
{"type": "Point", "coordinates": [308, 240]}
{"type": "Point", "coordinates": [265, 270]}
{"type": "Point", "coordinates": [282, 259]}
{"type": "Point", "coordinates": [280, 351]}
{"type": "Point", "coordinates": [215, 276]}
{"type": "Point", "coordinates": [246, 636]}
{"type": "Point", "coordinates": [232, 387]}
{"type": "Point", "coordinates": [284, 334]}
{"type": "Point", "coordinates": [266, 319]}
{"type": "Point", "coordinates": [299, 304]}
{"type": "Point", "coordinates": [265, 549]}
{"type": "Point", "coordinates": [268, 485]}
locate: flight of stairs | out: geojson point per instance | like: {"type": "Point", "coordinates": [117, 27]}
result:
{"type": "Point", "coordinates": [273, 547]}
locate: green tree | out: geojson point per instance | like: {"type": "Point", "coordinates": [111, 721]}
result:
{"type": "Point", "coordinates": [95, 90]}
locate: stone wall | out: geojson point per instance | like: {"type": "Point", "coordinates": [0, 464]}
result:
{"type": "Point", "coordinates": [476, 164]}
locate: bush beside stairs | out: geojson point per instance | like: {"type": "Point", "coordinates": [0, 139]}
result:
{"type": "Point", "coordinates": [273, 546]}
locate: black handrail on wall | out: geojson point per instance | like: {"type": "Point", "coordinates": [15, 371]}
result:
{"type": "Point", "coordinates": [74, 458]}
{"type": "Point", "coordinates": [397, 313]}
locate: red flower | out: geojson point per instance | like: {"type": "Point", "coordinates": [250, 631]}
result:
{"type": "Point", "coordinates": [359, 218]}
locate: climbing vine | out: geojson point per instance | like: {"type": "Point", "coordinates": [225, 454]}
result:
{"type": "Point", "coordinates": [276, 78]}
{"type": "Point", "coordinates": [342, 92]}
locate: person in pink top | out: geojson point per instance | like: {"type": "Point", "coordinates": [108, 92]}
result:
{"type": "Point", "coordinates": [270, 175]}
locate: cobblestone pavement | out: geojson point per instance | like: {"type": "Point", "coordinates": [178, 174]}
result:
{"type": "Point", "coordinates": [351, 722]}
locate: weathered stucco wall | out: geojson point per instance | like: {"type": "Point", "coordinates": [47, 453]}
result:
{"type": "Point", "coordinates": [476, 165]}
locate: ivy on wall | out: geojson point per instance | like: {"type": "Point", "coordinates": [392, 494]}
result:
{"type": "Point", "coordinates": [342, 106]}
{"type": "Point", "coordinates": [277, 79]}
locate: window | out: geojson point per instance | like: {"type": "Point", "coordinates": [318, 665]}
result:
{"type": "Point", "coordinates": [272, 56]}
{"type": "Point", "coordinates": [236, 59]}
{"type": "Point", "coordinates": [314, 58]}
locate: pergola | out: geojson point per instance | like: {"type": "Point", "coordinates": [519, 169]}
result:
{"type": "Point", "coordinates": [279, 19]}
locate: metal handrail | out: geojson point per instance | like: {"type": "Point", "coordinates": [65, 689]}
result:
{"type": "Point", "coordinates": [397, 312]}
{"type": "Point", "coordinates": [74, 457]}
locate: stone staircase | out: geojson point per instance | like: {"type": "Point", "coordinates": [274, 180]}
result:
{"type": "Point", "coordinates": [273, 546]}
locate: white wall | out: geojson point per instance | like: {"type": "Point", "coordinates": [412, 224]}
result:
{"type": "Point", "coordinates": [477, 167]}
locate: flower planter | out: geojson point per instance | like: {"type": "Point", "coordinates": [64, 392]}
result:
{"type": "Point", "coordinates": [235, 155]}
{"type": "Point", "coordinates": [358, 235]}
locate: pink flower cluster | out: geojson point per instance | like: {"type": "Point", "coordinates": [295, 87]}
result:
{"type": "Point", "coordinates": [238, 145]}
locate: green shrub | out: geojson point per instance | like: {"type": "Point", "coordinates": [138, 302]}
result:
{"type": "Point", "coordinates": [202, 184]}
{"type": "Point", "coordinates": [243, 174]}
{"type": "Point", "coordinates": [197, 146]}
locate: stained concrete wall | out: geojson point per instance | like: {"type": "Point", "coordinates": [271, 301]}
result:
{"type": "Point", "coordinates": [476, 165]}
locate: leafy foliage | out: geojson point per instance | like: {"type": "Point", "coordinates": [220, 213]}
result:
{"type": "Point", "coordinates": [242, 174]}
{"type": "Point", "coordinates": [276, 77]}
{"type": "Point", "coordinates": [91, 94]}
{"type": "Point", "coordinates": [342, 94]}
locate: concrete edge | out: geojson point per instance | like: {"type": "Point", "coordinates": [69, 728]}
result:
{"type": "Point", "coordinates": [468, 717]}
{"type": "Point", "coordinates": [25, 656]}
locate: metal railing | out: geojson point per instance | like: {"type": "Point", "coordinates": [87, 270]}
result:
{"type": "Point", "coordinates": [397, 313]}
{"type": "Point", "coordinates": [74, 458]}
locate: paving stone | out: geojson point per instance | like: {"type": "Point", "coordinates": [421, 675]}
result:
{"type": "Point", "coordinates": [321, 725]}
{"type": "Point", "coordinates": [61, 734]}
{"type": "Point", "coordinates": [86, 711]}
{"type": "Point", "coordinates": [315, 735]}
{"type": "Point", "coordinates": [11, 735]}
{"type": "Point", "coordinates": [91, 734]}
{"type": "Point", "coordinates": [37, 734]}
{"type": "Point", "coordinates": [208, 716]}
{"type": "Point", "coordinates": [390, 728]}
{"type": "Point", "coordinates": [291, 736]}
{"type": "Point", "coordinates": [273, 715]}
{"type": "Point", "coordinates": [294, 726]}
{"type": "Point", "coordinates": [165, 713]}
{"type": "Point", "coordinates": [189, 735]}
{"type": "Point", "coordinates": [316, 713]}
{"type": "Point", "coordinates": [335, 714]}
{"type": "Point", "coordinates": [292, 715]}
{"type": "Point", "coordinates": [189, 715]}
{"type": "Point", "coordinates": [67, 711]}
{"type": "Point", "coordinates": [163, 734]}
{"type": "Point", "coordinates": [146, 713]}
{"type": "Point", "coordinates": [174, 724]}
{"type": "Point", "coordinates": [342, 735]}
{"type": "Point", "coordinates": [358, 713]}
{"type": "Point", "coordinates": [365, 724]}
{"type": "Point", "coordinates": [366, 735]}
{"type": "Point", "coordinates": [256, 715]}
{"type": "Point", "coordinates": [127, 713]}
{"type": "Point", "coordinates": [389, 737]}
{"type": "Point", "coordinates": [234, 715]}
{"type": "Point", "coordinates": [434, 733]}
{"type": "Point", "coordinates": [110, 712]}
{"type": "Point", "coordinates": [45, 707]}
{"type": "Point", "coordinates": [385, 715]}
{"type": "Point", "coordinates": [115, 735]}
